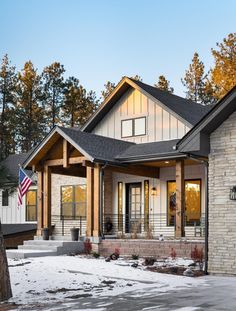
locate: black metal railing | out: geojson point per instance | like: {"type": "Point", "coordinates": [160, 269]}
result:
{"type": "Point", "coordinates": [62, 224]}
{"type": "Point", "coordinates": [151, 225]}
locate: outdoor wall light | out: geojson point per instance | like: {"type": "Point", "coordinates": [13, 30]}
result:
{"type": "Point", "coordinates": [153, 191]}
{"type": "Point", "coordinates": [232, 194]}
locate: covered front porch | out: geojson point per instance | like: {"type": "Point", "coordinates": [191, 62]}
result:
{"type": "Point", "coordinates": [146, 199]}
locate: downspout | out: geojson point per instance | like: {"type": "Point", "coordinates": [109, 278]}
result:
{"type": "Point", "coordinates": [101, 177]}
{"type": "Point", "coordinates": [206, 165]}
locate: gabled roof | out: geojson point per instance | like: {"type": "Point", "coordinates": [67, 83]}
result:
{"type": "Point", "coordinates": [11, 166]}
{"type": "Point", "coordinates": [186, 110]}
{"type": "Point", "coordinates": [198, 138]}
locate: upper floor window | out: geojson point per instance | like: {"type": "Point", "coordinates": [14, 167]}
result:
{"type": "Point", "coordinates": [133, 127]}
{"type": "Point", "coordinates": [5, 198]}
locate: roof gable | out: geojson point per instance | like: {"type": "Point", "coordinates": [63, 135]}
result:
{"type": "Point", "coordinates": [185, 110]}
{"type": "Point", "coordinates": [211, 121]}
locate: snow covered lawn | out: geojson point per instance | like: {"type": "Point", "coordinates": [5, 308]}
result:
{"type": "Point", "coordinates": [65, 278]}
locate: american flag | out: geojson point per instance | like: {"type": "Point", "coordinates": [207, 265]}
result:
{"type": "Point", "coordinates": [24, 183]}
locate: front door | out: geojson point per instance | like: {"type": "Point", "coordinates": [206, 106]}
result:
{"type": "Point", "coordinates": [133, 207]}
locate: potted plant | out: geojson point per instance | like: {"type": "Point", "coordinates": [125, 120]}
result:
{"type": "Point", "coordinates": [45, 233]}
{"type": "Point", "coordinates": [74, 234]}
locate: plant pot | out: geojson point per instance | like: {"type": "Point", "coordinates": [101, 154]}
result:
{"type": "Point", "coordinates": [74, 234]}
{"type": "Point", "coordinates": [45, 233]}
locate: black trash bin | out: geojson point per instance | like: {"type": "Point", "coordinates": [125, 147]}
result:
{"type": "Point", "coordinates": [74, 234]}
{"type": "Point", "coordinates": [45, 233]}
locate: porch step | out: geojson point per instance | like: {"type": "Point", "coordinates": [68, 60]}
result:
{"type": "Point", "coordinates": [41, 248]}
{"type": "Point", "coordinates": [23, 253]}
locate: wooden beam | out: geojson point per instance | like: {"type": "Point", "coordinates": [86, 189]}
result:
{"type": "Point", "coordinates": [87, 163]}
{"type": "Point", "coordinates": [90, 184]}
{"type": "Point", "coordinates": [65, 153]}
{"type": "Point", "coordinates": [47, 197]}
{"type": "Point", "coordinates": [96, 201]}
{"type": "Point", "coordinates": [180, 200]}
{"type": "Point", "coordinates": [39, 203]}
{"type": "Point", "coordinates": [60, 162]}
{"type": "Point", "coordinates": [140, 170]}
{"type": "Point", "coordinates": [74, 170]}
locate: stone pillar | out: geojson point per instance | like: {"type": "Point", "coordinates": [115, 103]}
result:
{"type": "Point", "coordinates": [47, 197]}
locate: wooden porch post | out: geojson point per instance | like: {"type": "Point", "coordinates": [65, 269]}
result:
{"type": "Point", "coordinates": [47, 197]}
{"type": "Point", "coordinates": [40, 203]}
{"type": "Point", "coordinates": [180, 199]}
{"type": "Point", "coordinates": [90, 184]}
{"type": "Point", "coordinates": [96, 202]}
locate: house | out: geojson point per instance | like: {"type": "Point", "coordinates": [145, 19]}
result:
{"type": "Point", "coordinates": [18, 224]}
{"type": "Point", "coordinates": [214, 137]}
{"type": "Point", "coordinates": [125, 176]}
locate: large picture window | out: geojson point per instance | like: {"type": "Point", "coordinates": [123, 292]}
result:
{"type": "Point", "coordinates": [133, 127]}
{"type": "Point", "coordinates": [73, 201]}
{"type": "Point", "coordinates": [31, 205]}
{"type": "Point", "coordinates": [192, 202]}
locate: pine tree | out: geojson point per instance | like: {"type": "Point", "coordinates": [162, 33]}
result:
{"type": "Point", "coordinates": [78, 105]}
{"type": "Point", "coordinates": [53, 90]}
{"type": "Point", "coordinates": [137, 78]}
{"type": "Point", "coordinates": [30, 116]}
{"type": "Point", "coordinates": [7, 99]}
{"type": "Point", "coordinates": [199, 88]}
{"type": "Point", "coordinates": [223, 74]}
{"type": "Point", "coordinates": [109, 87]}
{"type": "Point", "coordinates": [164, 84]}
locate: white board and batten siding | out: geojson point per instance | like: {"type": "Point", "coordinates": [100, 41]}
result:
{"type": "Point", "coordinates": [12, 214]}
{"type": "Point", "coordinates": [160, 124]}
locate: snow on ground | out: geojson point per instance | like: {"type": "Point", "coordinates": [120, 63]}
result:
{"type": "Point", "coordinates": [60, 278]}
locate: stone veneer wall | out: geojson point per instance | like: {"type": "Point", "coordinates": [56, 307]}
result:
{"type": "Point", "coordinates": [149, 248]}
{"type": "Point", "coordinates": [222, 211]}
{"type": "Point", "coordinates": [57, 182]}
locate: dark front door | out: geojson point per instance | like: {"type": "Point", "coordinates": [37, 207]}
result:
{"type": "Point", "coordinates": [133, 207]}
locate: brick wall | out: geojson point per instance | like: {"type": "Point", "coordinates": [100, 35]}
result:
{"type": "Point", "coordinates": [222, 211]}
{"type": "Point", "coordinates": [148, 247]}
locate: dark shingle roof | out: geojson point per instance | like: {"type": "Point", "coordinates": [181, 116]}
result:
{"type": "Point", "coordinates": [98, 147]}
{"type": "Point", "coordinates": [11, 164]}
{"type": "Point", "coordinates": [185, 108]}
{"type": "Point", "coordinates": [149, 150]}
{"type": "Point", "coordinates": [9, 229]}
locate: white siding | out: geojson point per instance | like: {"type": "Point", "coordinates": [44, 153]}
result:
{"type": "Point", "coordinates": [11, 214]}
{"type": "Point", "coordinates": [161, 125]}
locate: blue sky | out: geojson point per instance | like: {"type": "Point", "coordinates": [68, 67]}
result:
{"type": "Point", "coordinates": [100, 40]}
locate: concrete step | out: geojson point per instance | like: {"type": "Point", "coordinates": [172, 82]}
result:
{"type": "Point", "coordinates": [43, 242]}
{"type": "Point", "coordinates": [39, 247]}
{"type": "Point", "coordinates": [23, 253]}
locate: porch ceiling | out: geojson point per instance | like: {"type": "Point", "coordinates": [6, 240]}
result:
{"type": "Point", "coordinates": [170, 163]}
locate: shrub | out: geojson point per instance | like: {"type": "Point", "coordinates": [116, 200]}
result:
{"type": "Point", "coordinates": [96, 255]}
{"type": "Point", "coordinates": [173, 253]}
{"type": "Point", "coordinates": [87, 246]}
{"type": "Point", "coordinates": [149, 261]}
{"type": "Point", "coordinates": [197, 256]}
{"type": "Point", "coordinates": [135, 257]}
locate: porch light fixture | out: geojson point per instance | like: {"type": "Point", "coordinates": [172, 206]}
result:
{"type": "Point", "coordinates": [153, 191]}
{"type": "Point", "coordinates": [167, 162]}
{"type": "Point", "coordinates": [232, 194]}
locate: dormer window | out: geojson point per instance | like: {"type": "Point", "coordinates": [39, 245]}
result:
{"type": "Point", "coordinates": [133, 127]}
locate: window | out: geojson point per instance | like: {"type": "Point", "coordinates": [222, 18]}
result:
{"type": "Point", "coordinates": [5, 198]}
{"type": "Point", "coordinates": [192, 202]}
{"type": "Point", "coordinates": [31, 205]}
{"type": "Point", "coordinates": [133, 127]}
{"type": "Point", "coordinates": [73, 201]}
